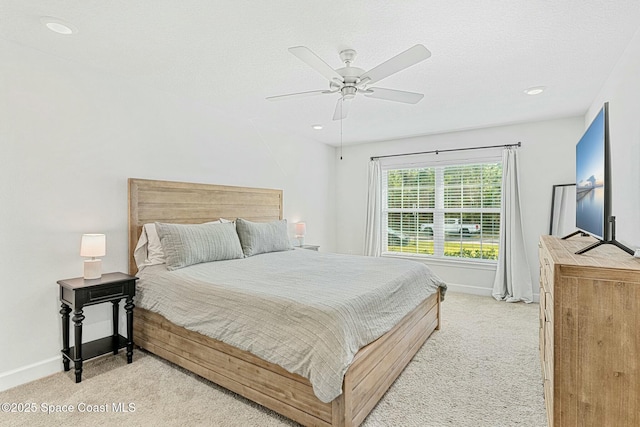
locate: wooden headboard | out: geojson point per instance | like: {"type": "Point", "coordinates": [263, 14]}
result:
{"type": "Point", "coordinates": [189, 203]}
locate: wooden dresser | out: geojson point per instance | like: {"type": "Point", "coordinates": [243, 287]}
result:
{"type": "Point", "coordinates": [589, 334]}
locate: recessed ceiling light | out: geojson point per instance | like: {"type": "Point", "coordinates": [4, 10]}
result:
{"type": "Point", "coordinates": [58, 26]}
{"type": "Point", "coordinates": [317, 127]}
{"type": "Point", "coordinates": [536, 90]}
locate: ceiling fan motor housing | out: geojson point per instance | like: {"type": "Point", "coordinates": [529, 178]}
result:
{"type": "Point", "coordinates": [351, 76]}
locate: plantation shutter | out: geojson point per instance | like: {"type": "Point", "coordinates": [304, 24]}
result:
{"type": "Point", "coordinates": [443, 207]}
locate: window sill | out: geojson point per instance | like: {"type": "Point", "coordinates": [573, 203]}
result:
{"type": "Point", "coordinates": [454, 262]}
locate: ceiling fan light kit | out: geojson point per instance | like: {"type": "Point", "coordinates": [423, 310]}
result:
{"type": "Point", "coordinates": [349, 81]}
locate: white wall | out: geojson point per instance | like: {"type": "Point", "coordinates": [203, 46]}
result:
{"type": "Point", "coordinates": [70, 138]}
{"type": "Point", "coordinates": [546, 158]}
{"type": "Point", "coordinates": [622, 90]}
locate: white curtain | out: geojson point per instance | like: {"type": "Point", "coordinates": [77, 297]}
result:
{"type": "Point", "coordinates": [513, 277]}
{"type": "Point", "coordinates": [372, 238]}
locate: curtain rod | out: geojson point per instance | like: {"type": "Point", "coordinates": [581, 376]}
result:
{"type": "Point", "coordinates": [519, 144]}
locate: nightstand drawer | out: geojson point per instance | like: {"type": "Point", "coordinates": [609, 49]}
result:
{"type": "Point", "coordinates": [106, 293]}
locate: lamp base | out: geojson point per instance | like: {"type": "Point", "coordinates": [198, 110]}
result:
{"type": "Point", "coordinates": [300, 240]}
{"type": "Point", "coordinates": [93, 269]}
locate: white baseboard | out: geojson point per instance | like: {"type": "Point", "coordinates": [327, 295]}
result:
{"type": "Point", "coordinates": [476, 290]}
{"type": "Point", "coordinates": [466, 289]}
{"type": "Point", "coordinates": [30, 373]}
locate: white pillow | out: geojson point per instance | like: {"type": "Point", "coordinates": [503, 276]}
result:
{"type": "Point", "coordinates": [149, 251]}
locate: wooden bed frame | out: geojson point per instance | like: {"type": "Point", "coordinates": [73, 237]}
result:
{"type": "Point", "coordinates": [374, 368]}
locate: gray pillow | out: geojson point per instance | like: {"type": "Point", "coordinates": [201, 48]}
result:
{"type": "Point", "coordinates": [188, 244]}
{"type": "Point", "coordinates": [262, 237]}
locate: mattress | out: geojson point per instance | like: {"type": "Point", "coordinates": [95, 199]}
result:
{"type": "Point", "coordinates": [308, 312]}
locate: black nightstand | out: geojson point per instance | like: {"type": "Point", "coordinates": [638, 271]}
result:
{"type": "Point", "coordinates": [77, 293]}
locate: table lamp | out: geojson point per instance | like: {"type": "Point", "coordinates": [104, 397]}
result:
{"type": "Point", "coordinates": [93, 245]}
{"type": "Point", "coordinates": [301, 230]}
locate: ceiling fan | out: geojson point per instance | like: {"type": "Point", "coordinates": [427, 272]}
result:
{"type": "Point", "coordinates": [349, 81]}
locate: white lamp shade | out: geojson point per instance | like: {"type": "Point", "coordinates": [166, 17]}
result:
{"type": "Point", "coordinates": [301, 229]}
{"type": "Point", "coordinates": [93, 245]}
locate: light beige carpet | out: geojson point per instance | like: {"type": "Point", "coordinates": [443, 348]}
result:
{"type": "Point", "coordinates": [480, 369]}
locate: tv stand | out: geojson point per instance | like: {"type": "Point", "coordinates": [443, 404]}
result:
{"type": "Point", "coordinates": [589, 340]}
{"type": "Point", "coordinates": [605, 242]}
{"type": "Point", "coordinates": [575, 233]}
{"type": "Point", "coordinates": [612, 241]}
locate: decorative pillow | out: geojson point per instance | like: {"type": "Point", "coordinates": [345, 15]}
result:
{"type": "Point", "coordinates": [262, 237]}
{"type": "Point", "coordinates": [149, 251]}
{"type": "Point", "coordinates": [188, 244]}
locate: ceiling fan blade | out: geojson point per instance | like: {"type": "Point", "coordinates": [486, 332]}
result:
{"type": "Point", "coordinates": [342, 108]}
{"type": "Point", "coordinates": [399, 62]}
{"type": "Point", "coordinates": [393, 95]}
{"type": "Point", "coordinates": [300, 94]}
{"type": "Point", "coordinates": [311, 59]}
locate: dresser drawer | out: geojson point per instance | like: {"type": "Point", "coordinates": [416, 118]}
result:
{"type": "Point", "coordinates": [548, 306]}
{"type": "Point", "coordinates": [547, 275]}
{"type": "Point", "coordinates": [541, 349]}
{"type": "Point", "coordinates": [546, 269]}
{"type": "Point", "coordinates": [542, 307]}
{"type": "Point", "coordinates": [548, 398]}
{"type": "Point", "coordinates": [548, 351]}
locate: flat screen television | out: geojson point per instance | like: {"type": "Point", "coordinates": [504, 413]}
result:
{"type": "Point", "coordinates": [593, 184]}
{"type": "Point", "coordinates": [593, 178]}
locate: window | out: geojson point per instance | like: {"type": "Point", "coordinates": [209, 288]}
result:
{"type": "Point", "coordinates": [445, 211]}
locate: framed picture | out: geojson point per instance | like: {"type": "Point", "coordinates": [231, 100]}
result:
{"type": "Point", "coordinates": [563, 210]}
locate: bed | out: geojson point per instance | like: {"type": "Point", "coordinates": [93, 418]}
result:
{"type": "Point", "coordinates": [370, 374]}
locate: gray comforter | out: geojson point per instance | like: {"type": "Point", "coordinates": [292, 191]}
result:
{"type": "Point", "coordinates": [309, 312]}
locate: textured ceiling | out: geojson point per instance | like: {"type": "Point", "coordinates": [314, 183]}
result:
{"type": "Point", "coordinates": [233, 54]}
